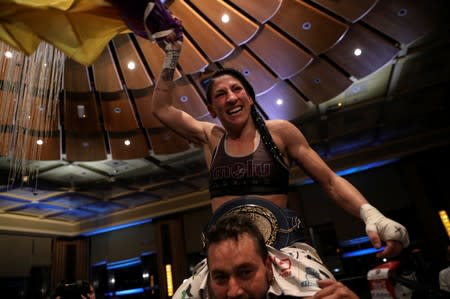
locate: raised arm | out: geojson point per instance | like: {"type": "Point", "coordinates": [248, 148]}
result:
{"type": "Point", "coordinates": [162, 101]}
{"type": "Point", "coordinates": [343, 193]}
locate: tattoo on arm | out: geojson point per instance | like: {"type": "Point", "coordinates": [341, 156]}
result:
{"type": "Point", "coordinates": [167, 74]}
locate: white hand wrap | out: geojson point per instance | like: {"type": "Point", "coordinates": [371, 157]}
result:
{"type": "Point", "coordinates": [386, 228]}
{"type": "Point", "coordinates": [172, 56]}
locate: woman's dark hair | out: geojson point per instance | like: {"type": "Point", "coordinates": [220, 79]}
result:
{"type": "Point", "coordinates": [232, 227]}
{"type": "Point", "coordinates": [256, 116]}
{"type": "Point", "coordinates": [233, 73]}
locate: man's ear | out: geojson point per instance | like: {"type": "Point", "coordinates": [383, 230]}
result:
{"type": "Point", "coordinates": [269, 268]}
{"type": "Point", "coordinates": [211, 111]}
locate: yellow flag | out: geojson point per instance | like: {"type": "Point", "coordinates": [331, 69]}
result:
{"type": "Point", "coordinates": [79, 28]}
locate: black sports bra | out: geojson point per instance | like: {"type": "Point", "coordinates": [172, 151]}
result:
{"type": "Point", "coordinates": [257, 173]}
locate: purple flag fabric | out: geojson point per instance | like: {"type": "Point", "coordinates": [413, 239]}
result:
{"type": "Point", "coordinates": [159, 22]}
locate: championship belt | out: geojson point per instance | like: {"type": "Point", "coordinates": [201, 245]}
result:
{"type": "Point", "coordinates": [279, 227]}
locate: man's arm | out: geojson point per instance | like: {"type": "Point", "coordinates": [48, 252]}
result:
{"type": "Point", "coordinates": [344, 194]}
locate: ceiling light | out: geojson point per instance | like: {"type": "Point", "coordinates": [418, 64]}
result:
{"type": "Point", "coordinates": [131, 65]}
{"type": "Point", "coordinates": [357, 52]}
{"type": "Point", "coordinates": [279, 102]}
{"type": "Point", "coordinates": [306, 26]}
{"type": "Point", "coordinates": [225, 18]}
{"type": "Point", "coordinates": [127, 142]}
{"type": "Point", "coordinates": [356, 89]}
{"type": "Point", "coordinates": [40, 142]}
{"type": "Point", "coordinates": [8, 54]}
{"type": "Point", "coordinates": [402, 12]}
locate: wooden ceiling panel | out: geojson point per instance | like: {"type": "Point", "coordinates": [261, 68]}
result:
{"type": "Point", "coordinates": [166, 142]}
{"type": "Point", "coordinates": [7, 70]}
{"type": "Point", "coordinates": [41, 115]}
{"type": "Point", "coordinates": [202, 32]}
{"type": "Point", "coordinates": [311, 27]}
{"type": "Point", "coordinates": [403, 20]}
{"type": "Point", "coordinates": [235, 26]}
{"type": "Point", "coordinates": [50, 149]}
{"type": "Point", "coordinates": [282, 102]}
{"type": "Point", "coordinates": [376, 52]}
{"type": "Point", "coordinates": [256, 73]}
{"type": "Point", "coordinates": [188, 99]}
{"type": "Point", "coordinates": [262, 12]}
{"type": "Point", "coordinates": [81, 113]}
{"type": "Point", "coordinates": [6, 105]}
{"type": "Point", "coordinates": [76, 78]}
{"type": "Point", "coordinates": [32, 114]}
{"type": "Point", "coordinates": [320, 81]}
{"type": "Point", "coordinates": [350, 10]}
{"type": "Point", "coordinates": [6, 137]}
{"type": "Point", "coordinates": [143, 101]}
{"type": "Point", "coordinates": [85, 148]}
{"type": "Point", "coordinates": [131, 65]}
{"type": "Point", "coordinates": [118, 112]}
{"type": "Point", "coordinates": [106, 77]}
{"type": "Point", "coordinates": [293, 59]}
{"type": "Point", "coordinates": [122, 150]}
{"type": "Point", "coordinates": [191, 60]}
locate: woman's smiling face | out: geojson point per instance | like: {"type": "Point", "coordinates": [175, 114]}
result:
{"type": "Point", "coordinates": [229, 101]}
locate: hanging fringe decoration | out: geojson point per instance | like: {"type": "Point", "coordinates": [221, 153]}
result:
{"type": "Point", "coordinates": [29, 91]}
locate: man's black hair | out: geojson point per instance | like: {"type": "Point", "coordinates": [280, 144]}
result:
{"type": "Point", "coordinates": [232, 227]}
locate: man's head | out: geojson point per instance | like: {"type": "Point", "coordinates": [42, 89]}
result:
{"type": "Point", "coordinates": [238, 260]}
